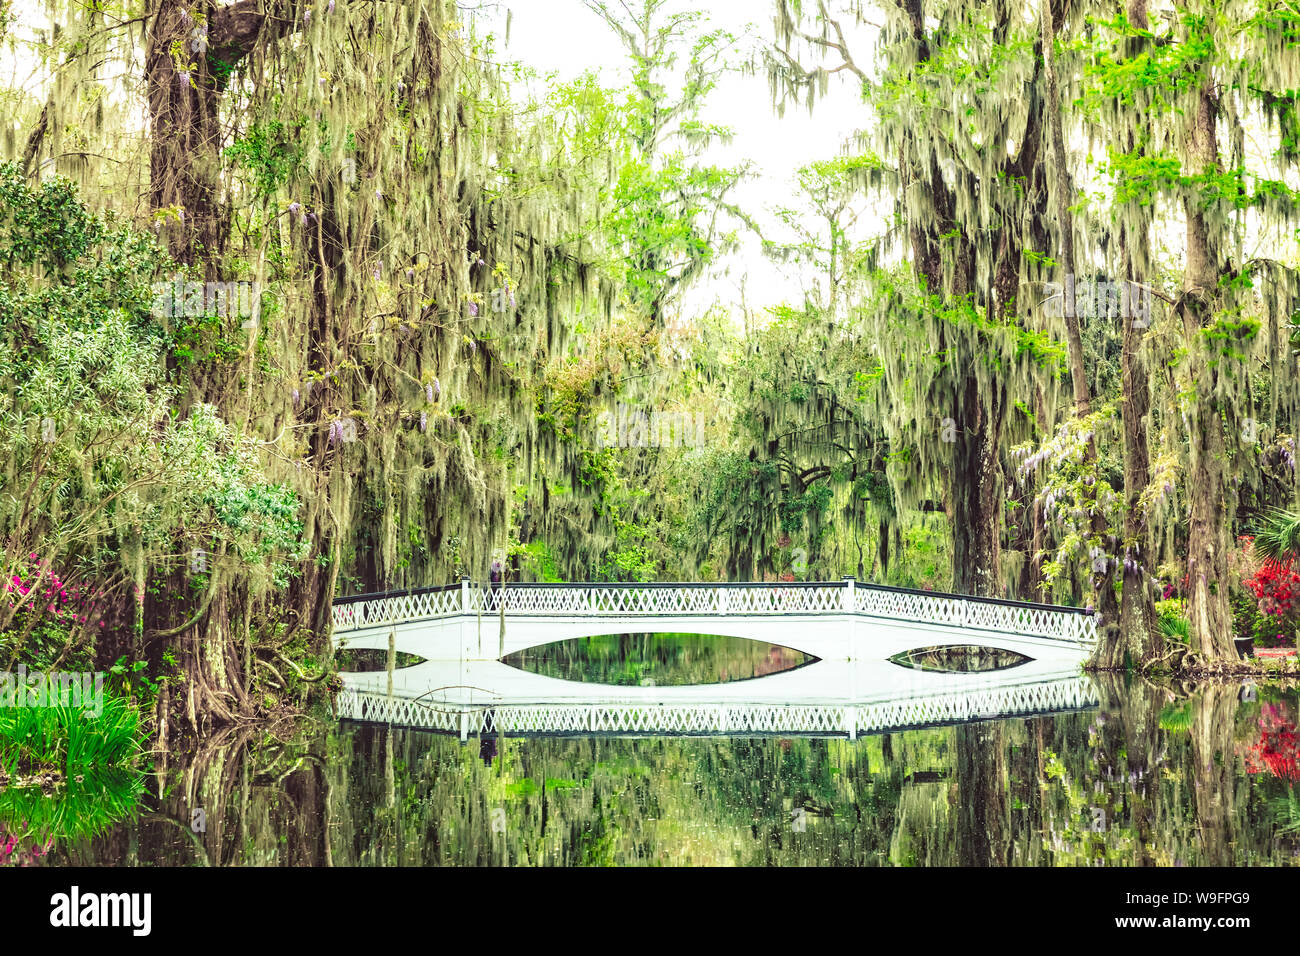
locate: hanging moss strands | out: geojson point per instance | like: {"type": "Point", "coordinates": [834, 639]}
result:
{"type": "Point", "coordinates": [307, 299]}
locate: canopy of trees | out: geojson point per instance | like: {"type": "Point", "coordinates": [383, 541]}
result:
{"type": "Point", "coordinates": [308, 298]}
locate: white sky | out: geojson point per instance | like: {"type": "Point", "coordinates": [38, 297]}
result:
{"type": "Point", "coordinates": [564, 37]}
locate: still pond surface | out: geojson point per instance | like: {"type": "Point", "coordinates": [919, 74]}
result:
{"type": "Point", "coordinates": [1154, 776]}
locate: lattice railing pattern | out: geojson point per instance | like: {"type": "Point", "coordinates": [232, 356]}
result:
{"type": "Point", "coordinates": [979, 703]}
{"type": "Point", "coordinates": [714, 719]}
{"type": "Point", "coordinates": [958, 612]}
{"type": "Point", "coordinates": [582, 600]}
{"type": "Point", "coordinates": [665, 601]}
{"type": "Point", "coordinates": [395, 608]}
{"type": "Point", "coordinates": [404, 711]}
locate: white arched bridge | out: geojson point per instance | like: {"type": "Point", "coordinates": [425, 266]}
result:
{"type": "Point", "coordinates": [463, 631]}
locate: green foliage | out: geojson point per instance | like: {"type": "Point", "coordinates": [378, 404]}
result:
{"type": "Point", "coordinates": [1278, 537]}
{"type": "Point", "coordinates": [661, 218]}
{"type": "Point", "coordinates": [69, 738]}
{"type": "Point", "coordinates": [540, 563]}
{"type": "Point", "coordinates": [102, 468]}
{"type": "Point", "coordinates": [271, 153]}
{"type": "Point", "coordinates": [1171, 617]}
{"type": "Point", "coordinates": [1177, 718]}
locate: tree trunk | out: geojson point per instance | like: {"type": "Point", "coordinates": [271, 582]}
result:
{"type": "Point", "coordinates": [185, 137]}
{"type": "Point", "coordinates": [191, 46]}
{"type": "Point", "coordinates": [1209, 515]}
{"type": "Point", "coordinates": [1138, 639]}
{"type": "Point", "coordinates": [976, 518]}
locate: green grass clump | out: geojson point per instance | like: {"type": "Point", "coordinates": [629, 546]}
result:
{"type": "Point", "coordinates": [35, 739]}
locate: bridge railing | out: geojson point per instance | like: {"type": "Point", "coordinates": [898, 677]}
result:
{"type": "Point", "coordinates": [704, 717]}
{"type": "Point", "coordinates": [668, 600]}
{"type": "Point", "coordinates": [366, 610]}
{"type": "Point", "coordinates": [685, 600]}
{"type": "Point", "coordinates": [991, 614]}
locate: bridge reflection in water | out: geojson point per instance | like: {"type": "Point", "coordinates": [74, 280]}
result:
{"type": "Point", "coordinates": [462, 686]}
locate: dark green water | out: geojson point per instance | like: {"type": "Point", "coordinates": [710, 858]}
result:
{"type": "Point", "coordinates": [660, 660]}
{"type": "Point", "coordinates": [1152, 777]}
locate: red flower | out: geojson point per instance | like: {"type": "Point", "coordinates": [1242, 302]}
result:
{"type": "Point", "coordinates": [1278, 747]}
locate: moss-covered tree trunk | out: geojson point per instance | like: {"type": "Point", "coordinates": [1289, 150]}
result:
{"type": "Point", "coordinates": [185, 134]}
{"type": "Point", "coordinates": [1210, 509]}
{"type": "Point", "coordinates": [977, 501]}
{"type": "Point", "coordinates": [1137, 638]}
{"type": "Point", "coordinates": [191, 47]}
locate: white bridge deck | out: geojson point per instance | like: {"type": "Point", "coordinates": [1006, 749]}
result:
{"type": "Point", "coordinates": [462, 686]}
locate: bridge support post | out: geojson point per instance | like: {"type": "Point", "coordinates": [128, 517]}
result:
{"type": "Point", "coordinates": [392, 660]}
{"type": "Point", "coordinates": [851, 609]}
{"type": "Point", "coordinates": [851, 722]}
{"type": "Point", "coordinates": [464, 595]}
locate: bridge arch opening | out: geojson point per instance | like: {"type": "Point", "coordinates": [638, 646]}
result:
{"type": "Point", "coordinates": [659, 659]}
{"type": "Point", "coordinates": [366, 660]}
{"type": "Point", "coordinates": [969, 658]}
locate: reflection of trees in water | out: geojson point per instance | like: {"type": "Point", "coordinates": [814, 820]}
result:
{"type": "Point", "coordinates": [1176, 794]}
{"type": "Point", "coordinates": [964, 658]}
{"type": "Point", "coordinates": [263, 802]}
{"type": "Point", "coordinates": [1215, 773]}
{"type": "Point", "coordinates": [667, 659]}
{"type": "Point", "coordinates": [35, 819]}
{"type": "Point", "coordinates": [983, 824]}
{"type": "Point", "coordinates": [1020, 792]}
